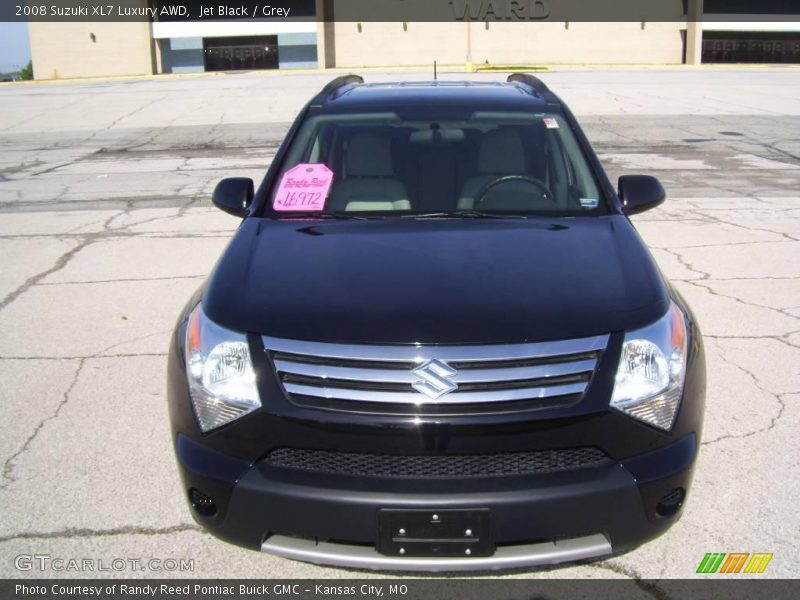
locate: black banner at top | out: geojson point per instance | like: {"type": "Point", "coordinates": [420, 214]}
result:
{"type": "Point", "coordinates": [400, 10]}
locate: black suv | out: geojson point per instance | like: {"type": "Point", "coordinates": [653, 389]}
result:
{"type": "Point", "coordinates": [436, 342]}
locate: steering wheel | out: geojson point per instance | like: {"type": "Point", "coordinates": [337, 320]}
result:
{"type": "Point", "coordinates": [540, 186]}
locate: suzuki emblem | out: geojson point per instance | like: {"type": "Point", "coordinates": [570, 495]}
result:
{"type": "Point", "coordinates": [435, 379]}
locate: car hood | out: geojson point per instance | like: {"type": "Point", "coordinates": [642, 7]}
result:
{"type": "Point", "coordinates": [411, 280]}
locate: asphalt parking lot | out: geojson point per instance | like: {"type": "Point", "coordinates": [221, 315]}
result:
{"type": "Point", "coordinates": [106, 228]}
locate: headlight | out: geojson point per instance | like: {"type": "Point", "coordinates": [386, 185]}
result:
{"type": "Point", "coordinates": [652, 367]}
{"type": "Point", "coordinates": [222, 383]}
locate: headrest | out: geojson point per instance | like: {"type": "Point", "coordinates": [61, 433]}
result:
{"type": "Point", "coordinates": [377, 205]}
{"type": "Point", "coordinates": [501, 152]}
{"type": "Point", "coordinates": [368, 155]}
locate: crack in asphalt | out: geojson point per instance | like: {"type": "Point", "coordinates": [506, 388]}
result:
{"type": "Point", "coordinates": [74, 532]}
{"type": "Point", "coordinates": [757, 383]}
{"type": "Point", "coordinates": [704, 281]}
{"type": "Point", "coordinates": [8, 466]}
{"type": "Point", "coordinates": [785, 236]}
{"type": "Point", "coordinates": [60, 263]}
{"type": "Point", "coordinates": [102, 353]}
{"type": "Point", "coordinates": [687, 265]}
{"type": "Point", "coordinates": [774, 147]}
{"type": "Point", "coordinates": [147, 104]}
{"type": "Point", "coordinates": [725, 245]}
{"type": "Point", "coordinates": [698, 283]}
{"type": "Point", "coordinates": [783, 339]}
{"type": "Point", "coordinates": [85, 240]}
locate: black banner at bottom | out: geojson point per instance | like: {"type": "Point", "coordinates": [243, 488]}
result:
{"type": "Point", "coordinates": [732, 588]}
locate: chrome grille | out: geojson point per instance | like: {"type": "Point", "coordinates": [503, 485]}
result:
{"type": "Point", "coordinates": [415, 378]}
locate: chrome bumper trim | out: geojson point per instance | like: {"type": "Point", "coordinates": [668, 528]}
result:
{"type": "Point", "coordinates": [506, 557]}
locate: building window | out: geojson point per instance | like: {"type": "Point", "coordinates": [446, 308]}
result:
{"type": "Point", "coordinates": [241, 53]}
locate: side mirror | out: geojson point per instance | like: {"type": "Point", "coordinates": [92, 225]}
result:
{"type": "Point", "coordinates": [640, 193]}
{"type": "Point", "coordinates": [234, 195]}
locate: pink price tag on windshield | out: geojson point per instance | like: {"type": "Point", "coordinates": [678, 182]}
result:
{"type": "Point", "coordinates": [304, 187]}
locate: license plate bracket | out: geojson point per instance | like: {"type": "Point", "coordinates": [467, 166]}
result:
{"type": "Point", "coordinates": [431, 533]}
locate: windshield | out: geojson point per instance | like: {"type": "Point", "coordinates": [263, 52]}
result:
{"type": "Point", "coordinates": [479, 164]}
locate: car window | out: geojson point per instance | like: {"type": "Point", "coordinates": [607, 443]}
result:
{"type": "Point", "coordinates": [396, 164]}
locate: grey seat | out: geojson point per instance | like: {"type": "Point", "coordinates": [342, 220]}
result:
{"type": "Point", "coordinates": [501, 153]}
{"type": "Point", "coordinates": [369, 182]}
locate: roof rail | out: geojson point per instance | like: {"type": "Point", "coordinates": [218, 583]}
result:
{"type": "Point", "coordinates": [534, 82]}
{"type": "Point", "coordinates": [334, 85]}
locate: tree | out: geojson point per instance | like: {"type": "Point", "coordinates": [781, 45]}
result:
{"type": "Point", "coordinates": [27, 71]}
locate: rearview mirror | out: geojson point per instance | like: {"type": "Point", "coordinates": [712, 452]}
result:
{"type": "Point", "coordinates": [234, 195]}
{"type": "Point", "coordinates": [640, 193]}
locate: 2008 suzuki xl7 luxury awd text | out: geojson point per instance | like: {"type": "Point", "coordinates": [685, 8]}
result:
{"type": "Point", "coordinates": [436, 342]}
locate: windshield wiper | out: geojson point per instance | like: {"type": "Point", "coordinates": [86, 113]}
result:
{"type": "Point", "coordinates": [465, 213]}
{"type": "Point", "coordinates": [312, 214]}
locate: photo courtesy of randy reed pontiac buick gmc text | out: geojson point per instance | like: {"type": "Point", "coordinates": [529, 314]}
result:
{"type": "Point", "coordinates": [436, 342]}
{"type": "Point", "coordinates": [151, 590]}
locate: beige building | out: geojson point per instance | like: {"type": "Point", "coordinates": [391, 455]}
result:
{"type": "Point", "coordinates": [501, 43]}
{"type": "Point", "coordinates": [67, 50]}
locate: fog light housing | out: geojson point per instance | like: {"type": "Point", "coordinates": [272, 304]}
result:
{"type": "Point", "coordinates": [202, 503]}
{"type": "Point", "coordinates": [671, 502]}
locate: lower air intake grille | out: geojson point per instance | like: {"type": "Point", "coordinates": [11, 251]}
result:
{"type": "Point", "coordinates": [436, 467]}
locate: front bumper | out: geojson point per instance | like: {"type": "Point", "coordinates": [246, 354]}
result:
{"type": "Point", "coordinates": [536, 520]}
